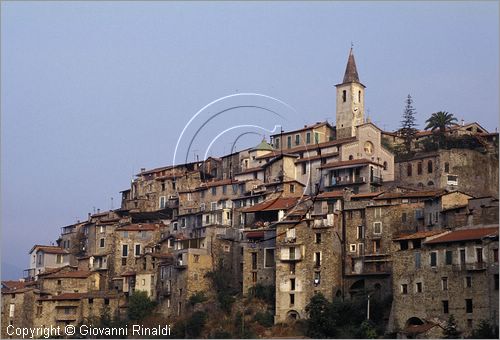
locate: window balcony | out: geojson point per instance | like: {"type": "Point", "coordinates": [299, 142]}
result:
{"type": "Point", "coordinates": [476, 266]}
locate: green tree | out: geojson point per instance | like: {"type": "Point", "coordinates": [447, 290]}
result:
{"type": "Point", "coordinates": [321, 322]}
{"type": "Point", "coordinates": [485, 331]}
{"type": "Point", "coordinates": [221, 278]}
{"type": "Point", "coordinates": [440, 121]}
{"type": "Point", "coordinates": [451, 331]}
{"type": "Point", "coordinates": [408, 124]}
{"type": "Point", "coordinates": [139, 306]}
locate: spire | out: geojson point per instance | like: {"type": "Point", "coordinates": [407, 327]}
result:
{"type": "Point", "coordinates": [351, 73]}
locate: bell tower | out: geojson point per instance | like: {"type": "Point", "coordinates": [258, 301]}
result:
{"type": "Point", "coordinates": [350, 101]}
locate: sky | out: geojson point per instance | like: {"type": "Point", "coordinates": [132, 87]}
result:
{"type": "Point", "coordinates": [93, 91]}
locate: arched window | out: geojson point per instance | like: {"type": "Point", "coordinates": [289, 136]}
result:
{"type": "Point", "coordinates": [408, 169]}
{"type": "Point", "coordinates": [385, 165]}
{"type": "Point", "coordinates": [429, 166]}
{"type": "Point", "coordinates": [351, 157]}
{"type": "Point", "coordinates": [420, 185]}
{"type": "Point", "coordinates": [430, 183]}
{"type": "Point", "coordinates": [446, 167]}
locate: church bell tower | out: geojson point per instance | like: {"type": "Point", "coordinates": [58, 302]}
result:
{"type": "Point", "coordinates": [350, 101]}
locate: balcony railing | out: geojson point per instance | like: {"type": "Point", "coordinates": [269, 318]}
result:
{"type": "Point", "coordinates": [469, 266]}
{"type": "Point", "coordinates": [339, 181]}
{"type": "Point", "coordinates": [375, 180]}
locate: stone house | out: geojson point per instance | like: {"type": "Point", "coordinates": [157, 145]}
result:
{"type": "Point", "coordinates": [448, 273]}
{"type": "Point", "coordinates": [308, 258]}
{"type": "Point", "coordinates": [46, 257]}
{"type": "Point", "coordinates": [454, 170]}
{"type": "Point", "coordinates": [18, 304]}
{"type": "Point", "coordinates": [311, 135]}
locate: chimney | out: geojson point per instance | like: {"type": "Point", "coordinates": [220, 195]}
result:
{"type": "Point", "coordinates": [98, 210]}
{"type": "Point", "coordinates": [143, 169]}
{"type": "Point", "coordinates": [463, 122]}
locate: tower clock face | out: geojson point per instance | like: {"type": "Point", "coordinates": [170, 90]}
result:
{"type": "Point", "coordinates": [368, 148]}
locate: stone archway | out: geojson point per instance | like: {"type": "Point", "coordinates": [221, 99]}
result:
{"type": "Point", "coordinates": [292, 315]}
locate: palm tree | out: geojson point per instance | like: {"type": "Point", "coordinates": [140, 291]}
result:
{"type": "Point", "coordinates": [440, 120]}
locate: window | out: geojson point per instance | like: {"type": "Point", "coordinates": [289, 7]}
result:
{"type": "Point", "coordinates": [162, 202]}
{"type": "Point", "coordinates": [495, 255]}
{"type": "Point", "coordinates": [213, 206]}
{"type": "Point", "coordinates": [344, 96]}
{"type": "Point", "coordinates": [429, 167]}
{"type": "Point", "coordinates": [102, 229]}
{"type": "Point", "coordinates": [269, 257]}
{"type": "Point", "coordinates": [359, 96]}
{"type": "Point", "coordinates": [377, 227]}
{"type": "Point", "coordinates": [317, 278]}
{"type": "Point", "coordinates": [408, 169]}
{"type": "Point", "coordinates": [59, 258]}
{"type": "Point", "coordinates": [292, 299]}
{"type": "Point", "coordinates": [468, 305]}
{"type": "Point", "coordinates": [479, 255]}
{"type": "Point", "coordinates": [318, 238]}
{"type": "Point", "coordinates": [59, 282]}
{"type": "Point", "coordinates": [277, 143]}
{"type": "Point", "coordinates": [376, 246]}
{"type": "Point", "coordinates": [304, 168]}
{"type": "Point", "coordinates": [404, 289]}
{"type": "Point", "coordinates": [446, 167]}
{"type": "Point", "coordinates": [308, 138]}
{"type": "Point", "coordinates": [289, 142]}
{"type": "Point", "coordinates": [468, 282]}
{"type": "Point", "coordinates": [189, 196]}
{"type": "Point", "coordinates": [214, 191]}
{"type": "Point", "coordinates": [124, 261]}
{"type": "Point", "coordinates": [316, 137]}
{"type": "Point", "coordinates": [124, 250]}
{"type": "Point", "coordinates": [292, 188]}
{"type": "Point", "coordinates": [418, 287]}
{"type": "Point", "coordinates": [444, 283]}
{"type": "Point", "coordinates": [403, 217]}
{"type": "Point", "coordinates": [378, 212]}
{"type": "Point", "coordinates": [317, 259]}
{"type": "Point", "coordinates": [125, 234]}
{"type": "Point", "coordinates": [417, 260]}
{"type": "Point", "coordinates": [101, 243]}
{"type": "Point", "coordinates": [495, 279]}
{"type": "Point", "coordinates": [352, 248]}
{"type": "Point", "coordinates": [449, 257]}
{"type": "Point", "coordinates": [385, 165]}
{"type": "Point", "coordinates": [292, 284]}
{"type": "Point", "coordinates": [419, 168]}
{"type": "Point", "coordinates": [297, 139]}
{"type": "Point", "coordinates": [12, 309]}
{"type": "Point", "coordinates": [361, 232]}
{"type": "Point", "coordinates": [445, 307]}
{"type": "Point", "coordinates": [254, 261]}
{"type": "Point", "coordinates": [137, 250]}
{"type": "Point", "coordinates": [433, 259]}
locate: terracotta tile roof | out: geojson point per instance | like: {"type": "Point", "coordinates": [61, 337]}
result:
{"type": "Point", "coordinates": [64, 296]}
{"type": "Point", "coordinates": [276, 153]}
{"type": "Point", "coordinates": [307, 127]}
{"type": "Point", "coordinates": [249, 170]}
{"type": "Point", "coordinates": [15, 285]}
{"type": "Point", "coordinates": [77, 274]}
{"type": "Point", "coordinates": [321, 145]}
{"type": "Point", "coordinates": [367, 195]}
{"type": "Point", "coordinates": [411, 194]}
{"type": "Point", "coordinates": [254, 234]}
{"type": "Point", "coordinates": [465, 235]}
{"type": "Point", "coordinates": [274, 204]}
{"type": "Point", "coordinates": [219, 183]}
{"type": "Point", "coordinates": [417, 235]}
{"type": "Point", "coordinates": [138, 227]}
{"type": "Point", "coordinates": [331, 194]}
{"type": "Point", "coordinates": [340, 164]}
{"type": "Point", "coordinates": [49, 249]}
{"type": "Point", "coordinates": [128, 273]}
{"type": "Point", "coordinates": [312, 158]}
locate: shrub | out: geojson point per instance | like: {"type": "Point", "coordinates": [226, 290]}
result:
{"type": "Point", "coordinates": [196, 298]}
{"type": "Point", "coordinates": [139, 306]}
{"type": "Point", "coordinates": [264, 319]}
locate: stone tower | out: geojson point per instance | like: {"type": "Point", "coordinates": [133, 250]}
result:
{"type": "Point", "coordinates": [350, 101]}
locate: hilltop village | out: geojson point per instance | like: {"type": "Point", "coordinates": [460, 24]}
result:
{"type": "Point", "coordinates": [333, 211]}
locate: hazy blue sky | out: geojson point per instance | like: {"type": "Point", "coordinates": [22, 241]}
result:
{"type": "Point", "coordinates": [92, 92]}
